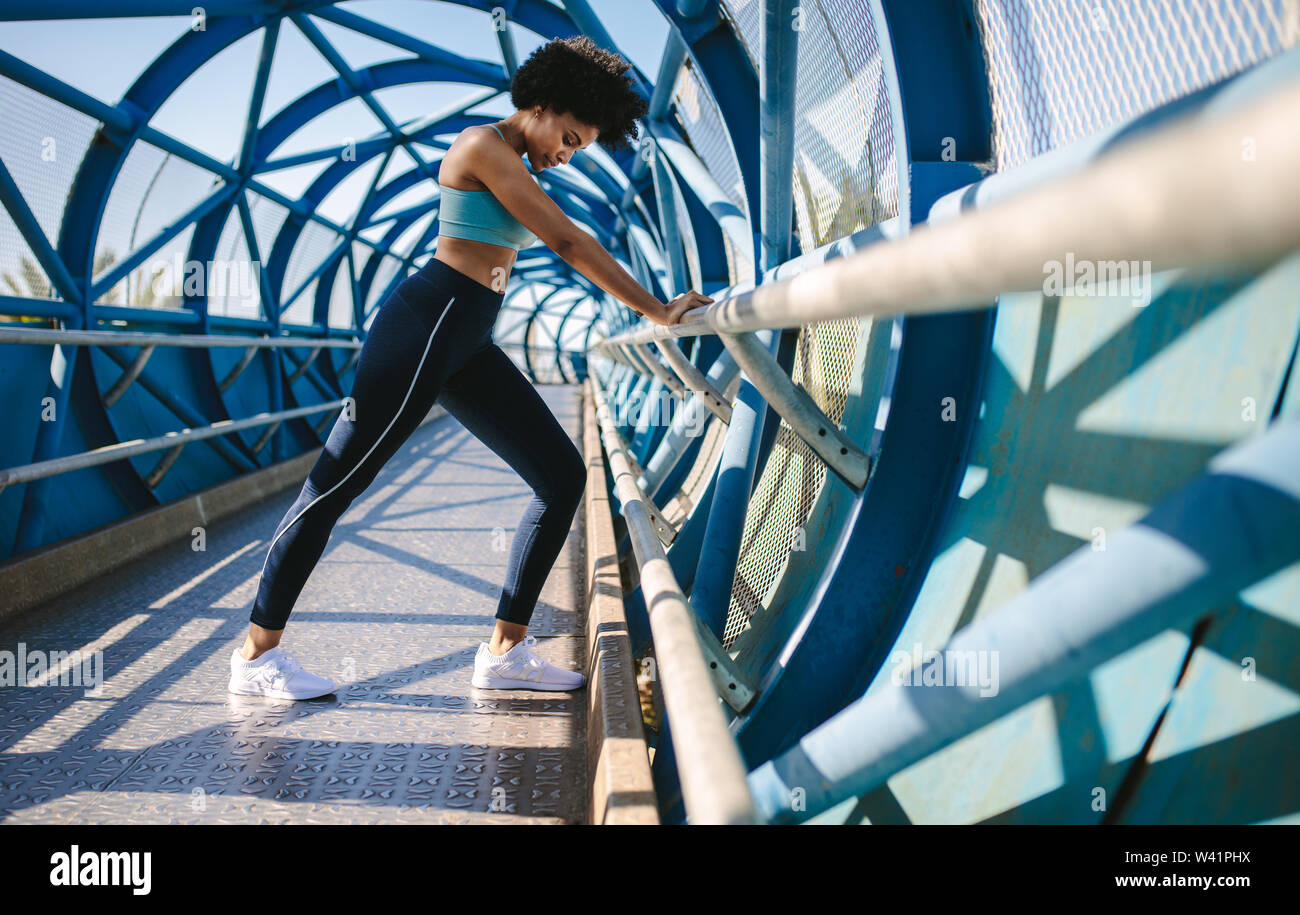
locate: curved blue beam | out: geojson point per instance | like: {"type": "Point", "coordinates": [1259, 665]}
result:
{"type": "Point", "coordinates": [728, 73]}
{"type": "Point", "coordinates": [19, 10]}
{"type": "Point", "coordinates": [1235, 525]}
{"type": "Point", "coordinates": [86, 201]}
{"type": "Point", "coordinates": [871, 578]}
{"type": "Point", "coordinates": [171, 68]}
{"type": "Point", "coordinates": [337, 172]}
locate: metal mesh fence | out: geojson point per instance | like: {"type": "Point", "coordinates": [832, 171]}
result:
{"type": "Point", "coordinates": [20, 273]}
{"type": "Point", "coordinates": [153, 189]}
{"type": "Point", "coordinates": [242, 298]}
{"type": "Point", "coordinates": [384, 273]}
{"type": "Point", "coordinates": [1063, 70]}
{"type": "Point", "coordinates": [339, 313]}
{"type": "Point", "coordinates": [302, 309]}
{"type": "Point", "coordinates": [702, 470]}
{"type": "Point", "coordinates": [315, 244]}
{"type": "Point", "coordinates": [1058, 71]}
{"type": "Point", "coordinates": [42, 143]}
{"type": "Point", "coordinates": [793, 475]}
{"type": "Point", "coordinates": [542, 363]}
{"type": "Point", "coordinates": [268, 219]}
{"type": "Point", "coordinates": [361, 255]}
{"type": "Point", "coordinates": [702, 126]}
{"type": "Point", "coordinates": [683, 217]}
{"type": "Point", "coordinates": [845, 179]}
{"type": "Point", "coordinates": [845, 172]}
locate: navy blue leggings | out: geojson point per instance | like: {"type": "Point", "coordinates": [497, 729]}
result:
{"type": "Point", "coordinates": [432, 341]}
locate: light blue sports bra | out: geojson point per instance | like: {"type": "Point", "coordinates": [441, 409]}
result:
{"type": "Point", "coordinates": [479, 216]}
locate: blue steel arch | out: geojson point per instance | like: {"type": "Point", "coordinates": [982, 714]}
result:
{"type": "Point", "coordinates": [839, 646]}
{"type": "Point", "coordinates": [868, 583]}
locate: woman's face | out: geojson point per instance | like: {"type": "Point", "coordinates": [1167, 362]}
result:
{"type": "Point", "coordinates": [553, 138]}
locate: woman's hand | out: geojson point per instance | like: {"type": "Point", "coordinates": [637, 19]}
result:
{"type": "Point", "coordinates": [674, 310]}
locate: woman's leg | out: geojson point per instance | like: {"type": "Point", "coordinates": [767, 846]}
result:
{"type": "Point", "coordinates": [494, 401]}
{"type": "Point", "coordinates": [399, 374]}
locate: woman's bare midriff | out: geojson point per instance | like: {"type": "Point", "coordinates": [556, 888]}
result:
{"type": "Point", "coordinates": [485, 263]}
{"type": "Point", "coordinates": [478, 260]}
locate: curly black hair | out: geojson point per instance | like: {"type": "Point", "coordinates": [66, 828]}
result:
{"type": "Point", "coordinates": [576, 76]}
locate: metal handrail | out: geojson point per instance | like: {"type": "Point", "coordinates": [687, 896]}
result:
{"type": "Point", "coordinates": [709, 764]}
{"type": "Point", "coordinates": [38, 335]}
{"type": "Point", "coordinates": [1187, 169]}
{"type": "Point", "coordinates": [710, 396]}
{"type": "Point", "coordinates": [109, 453]}
{"type": "Point", "coordinates": [1188, 202]}
{"type": "Point", "coordinates": [172, 441]}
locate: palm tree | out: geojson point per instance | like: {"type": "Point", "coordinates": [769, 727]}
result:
{"type": "Point", "coordinates": [32, 283]}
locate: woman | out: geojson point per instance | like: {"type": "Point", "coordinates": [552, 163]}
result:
{"type": "Point", "coordinates": [432, 340]}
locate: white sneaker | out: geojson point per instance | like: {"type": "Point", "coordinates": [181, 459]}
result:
{"type": "Point", "coordinates": [521, 668]}
{"type": "Point", "coordinates": [277, 674]}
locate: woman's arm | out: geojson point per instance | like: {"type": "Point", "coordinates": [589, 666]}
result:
{"type": "Point", "coordinates": [590, 258]}
{"type": "Point", "coordinates": [508, 179]}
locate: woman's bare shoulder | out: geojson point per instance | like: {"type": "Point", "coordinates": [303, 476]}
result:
{"type": "Point", "coordinates": [455, 170]}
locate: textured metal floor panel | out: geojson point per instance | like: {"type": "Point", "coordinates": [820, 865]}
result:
{"type": "Point", "coordinates": [406, 590]}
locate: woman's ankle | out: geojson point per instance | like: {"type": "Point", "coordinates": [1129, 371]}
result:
{"type": "Point", "coordinates": [506, 636]}
{"type": "Point", "coordinates": [258, 641]}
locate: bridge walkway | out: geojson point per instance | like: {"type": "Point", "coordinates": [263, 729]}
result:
{"type": "Point", "coordinates": [395, 611]}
